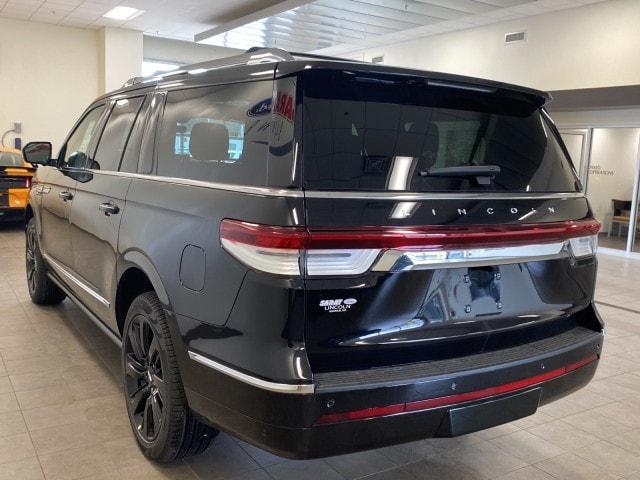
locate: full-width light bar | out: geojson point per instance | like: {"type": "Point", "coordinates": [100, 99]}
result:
{"type": "Point", "coordinates": [352, 251]}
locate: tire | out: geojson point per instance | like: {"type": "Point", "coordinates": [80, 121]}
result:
{"type": "Point", "coordinates": [41, 289]}
{"type": "Point", "coordinates": [164, 426]}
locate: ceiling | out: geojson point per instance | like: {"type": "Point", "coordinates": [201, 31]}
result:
{"type": "Point", "coordinates": [338, 27]}
{"type": "Point", "coordinates": [326, 26]}
{"type": "Point", "coordinates": [178, 19]}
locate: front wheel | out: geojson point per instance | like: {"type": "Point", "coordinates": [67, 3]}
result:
{"type": "Point", "coordinates": [41, 289]}
{"type": "Point", "coordinates": [162, 422]}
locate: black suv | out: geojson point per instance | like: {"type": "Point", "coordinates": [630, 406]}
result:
{"type": "Point", "coordinates": [320, 256]}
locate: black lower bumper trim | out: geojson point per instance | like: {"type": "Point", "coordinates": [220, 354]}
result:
{"type": "Point", "coordinates": [11, 213]}
{"type": "Point", "coordinates": [345, 437]}
{"type": "Point", "coordinates": [487, 414]}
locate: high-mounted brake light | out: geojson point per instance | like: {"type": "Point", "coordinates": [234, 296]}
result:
{"type": "Point", "coordinates": [352, 251]}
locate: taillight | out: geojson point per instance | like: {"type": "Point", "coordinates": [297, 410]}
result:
{"type": "Point", "coordinates": [269, 249]}
{"type": "Point", "coordinates": [291, 251]}
{"type": "Point", "coordinates": [27, 182]}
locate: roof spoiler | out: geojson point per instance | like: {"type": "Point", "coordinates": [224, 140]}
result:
{"type": "Point", "coordinates": [253, 56]}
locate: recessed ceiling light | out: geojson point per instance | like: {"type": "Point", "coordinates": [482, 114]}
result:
{"type": "Point", "coordinates": [123, 13]}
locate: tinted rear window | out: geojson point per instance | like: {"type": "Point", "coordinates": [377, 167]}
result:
{"type": "Point", "coordinates": [10, 159]}
{"type": "Point", "coordinates": [214, 133]}
{"type": "Point", "coordinates": [365, 133]}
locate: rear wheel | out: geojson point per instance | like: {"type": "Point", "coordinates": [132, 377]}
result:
{"type": "Point", "coordinates": [165, 427]}
{"type": "Point", "coordinates": [41, 289]}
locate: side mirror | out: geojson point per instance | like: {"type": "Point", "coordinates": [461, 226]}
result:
{"type": "Point", "coordinates": [37, 153]}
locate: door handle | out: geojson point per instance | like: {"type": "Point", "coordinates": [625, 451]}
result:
{"type": "Point", "coordinates": [109, 208]}
{"type": "Point", "coordinates": [65, 196]}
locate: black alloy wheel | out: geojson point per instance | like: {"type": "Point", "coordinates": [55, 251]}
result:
{"type": "Point", "coordinates": [42, 290]}
{"type": "Point", "coordinates": [144, 380]}
{"type": "Point", "coordinates": [31, 242]}
{"type": "Point", "coordinates": [165, 427]}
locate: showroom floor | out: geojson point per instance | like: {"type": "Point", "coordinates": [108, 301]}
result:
{"type": "Point", "coordinates": [62, 415]}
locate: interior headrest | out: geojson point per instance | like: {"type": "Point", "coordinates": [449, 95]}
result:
{"type": "Point", "coordinates": [209, 141]}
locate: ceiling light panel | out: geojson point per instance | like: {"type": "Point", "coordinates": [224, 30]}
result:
{"type": "Point", "coordinates": [123, 13]}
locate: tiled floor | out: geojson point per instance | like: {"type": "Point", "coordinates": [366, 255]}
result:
{"type": "Point", "coordinates": [62, 415]}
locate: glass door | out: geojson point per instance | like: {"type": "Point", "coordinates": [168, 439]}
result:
{"type": "Point", "coordinates": [634, 237]}
{"type": "Point", "coordinates": [577, 143]}
{"type": "Point", "coordinates": [612, 184]}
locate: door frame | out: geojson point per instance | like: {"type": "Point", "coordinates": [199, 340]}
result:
{"type": "Point", "coordinates": [585, 158]}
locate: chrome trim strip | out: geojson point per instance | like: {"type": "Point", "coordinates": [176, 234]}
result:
{"type": "Point", "coordinates": [64, 272]}
{"type": "Point", "coordinates": [389, 195]}
{"type": "Point", "coordinates": [106, 330]}
{"type": "Point", "coordinates": [396, 260]}
{"type": "Point", "coordinates": [251, 380]}
{"type": "Point", "coordinates": [408, 196]}
{"type": "Point", "coordinates": [269, 192]}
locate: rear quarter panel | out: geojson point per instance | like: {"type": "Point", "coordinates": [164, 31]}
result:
{"type": "Point", "coordinates": [161, 219]}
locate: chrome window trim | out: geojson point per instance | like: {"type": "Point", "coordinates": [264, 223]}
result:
{"type": "Point", "coordinates": [251, 380]}
{"type": "Point", "coordinates": [65, 273]}
{"type": "Point", "coordinates": [270, 192]}
{"type": "Point", "coordinates": [389, 195]}
{"type": "Point", "coordinates": [408, 196]}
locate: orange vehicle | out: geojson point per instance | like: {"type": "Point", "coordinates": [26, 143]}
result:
{"type": "Point", "coordinates": [15, 182]}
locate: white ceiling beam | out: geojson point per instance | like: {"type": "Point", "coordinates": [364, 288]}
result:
{"type": "Point", "coordinates": [252, 17]}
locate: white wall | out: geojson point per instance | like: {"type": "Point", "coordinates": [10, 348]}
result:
{"type": "Point", "coordinates": [48, 75]}
{"type": "Point", "coordinates": [596, 118]}
{"type": "Point", "coordinates": [591, 46]}
{"type": "Point", "coordinates": [120, 56]}
{"type": "Point", "coordinates": [179, 52]}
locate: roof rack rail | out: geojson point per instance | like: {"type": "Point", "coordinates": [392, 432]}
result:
{"type": "Point", "coordinates": [313, 56]}
{"type": "Point", "coordinates": [253, 56]}
{"type": "Point", "coordinates": [132, 81]}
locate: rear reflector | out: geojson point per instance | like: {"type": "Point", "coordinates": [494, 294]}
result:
{"type": "Point", "coordinates": [450, 400]}
{"type": "Point", "coordinates": [350, 251]}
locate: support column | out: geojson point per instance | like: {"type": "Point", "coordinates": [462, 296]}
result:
{"type": "Point", "coordinates": [120, 57]}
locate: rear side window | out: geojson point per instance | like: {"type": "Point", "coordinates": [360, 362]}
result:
{"type": "Point", "coordinates": [132, 150]}
{"type": "Point", "coordinates": [115, 134]}
{"type": "Point", "coordinates": [366, 133]}
{"type": "Point", "coordinates": [217, 134]}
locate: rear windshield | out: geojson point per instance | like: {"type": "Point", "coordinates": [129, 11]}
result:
{"type": "Point", "coordinates": [377, 134]}
{"type": "Point", "coordinates": [10, 159]}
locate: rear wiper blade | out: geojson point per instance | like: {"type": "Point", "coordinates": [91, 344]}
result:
{"type": "Point", "coordinates": [482, 173]}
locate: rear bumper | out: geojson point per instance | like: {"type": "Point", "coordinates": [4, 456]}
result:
{"type": "Point", "coordinates": [12, 213]}
{"type": "Point", "coordinates": [290, 424]}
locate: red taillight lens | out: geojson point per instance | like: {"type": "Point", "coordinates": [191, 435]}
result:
{"type": "Point", "coordinates": [349, 251]}
{"type": "Point", "coordinates": [27, 182]}
{"type": "Point", "coordinates": [450, 400]}
{"type": "Point", "coordinates": [263, 236]}
{"type": "Point", "coordinates": [437, 237]}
